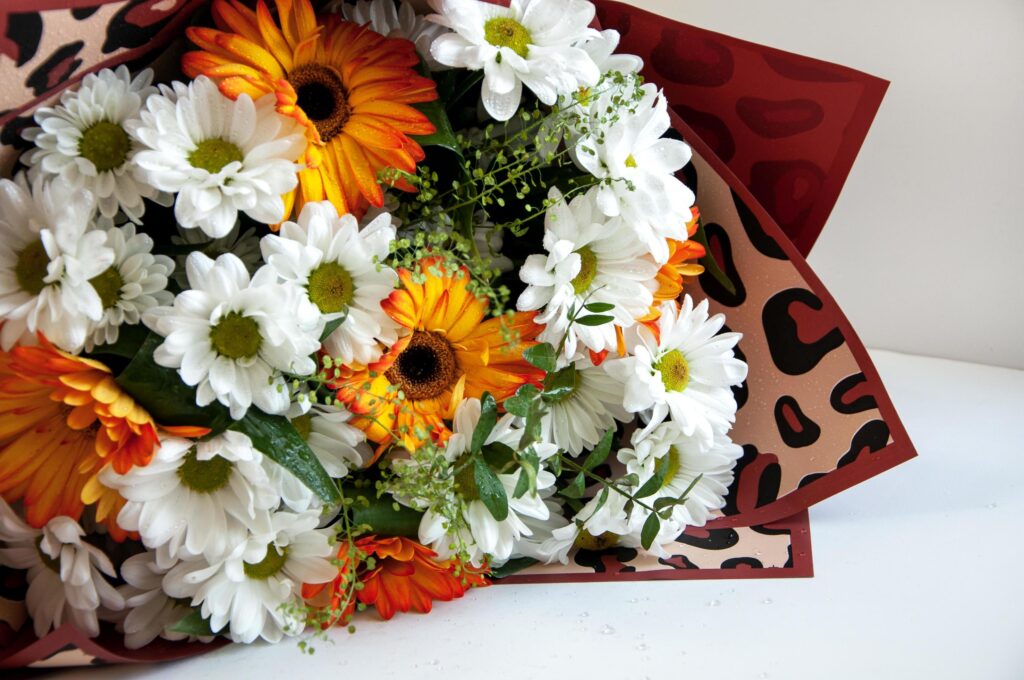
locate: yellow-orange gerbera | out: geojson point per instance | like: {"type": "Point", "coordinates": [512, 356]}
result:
{"type": "Point", "coordinates": [349, 86]}
{"type": "Point", "coordinates": [450, 353]}
{"type": "Point", "coordinates": [405, 576]}
{"type": "Point", "coordinates": [62, 418]}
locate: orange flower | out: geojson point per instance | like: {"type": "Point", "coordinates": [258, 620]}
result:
{"type": "Point", "coordinates": [405, 576]}
{"type": "Point", "coordinates": [62, 418]}
{"type": "Point", "coordinates": [349, 86]}
{"type": "Point", "coordinates": [680, 264]}
{"type": "Point", "coordinates": [450, 353]}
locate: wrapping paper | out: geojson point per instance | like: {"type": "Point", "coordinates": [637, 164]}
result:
{"type": "Point", "coordinates": [774, 137]}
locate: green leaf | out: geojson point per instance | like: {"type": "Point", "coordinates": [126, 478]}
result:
{"type": "Point", "coordinates": [600, 452]}
{"type": "Point", "coordinates": [278, 439]}
{"type": "Point", "coordinates": [665, 502]}
{"type": "Point", "coordinates": [522, 484]}
{"type": "Point", "coordinates": [599, 307]}
{"type": "Point", "coordinates": [519, 404]}
{"type": "Point", "coordinates": [650, 531]}
{"type": "Point", "coordinates": [160, 391]}
{"type": "Point", "coordinates": [577, 487]}
{"type": "Point", "coordinates": [194, 624]}
{"type": "Point", "coordinates": [381, 516]}
{"type": "Point", "coordinates": [484, 426]}
{"type": "Point", "coordinates": [595, 320]}
{"type": "Point", "coordinates": [629, 480]}
{"type": "Point", "coordinates": [531, 428]}
{"type": "Point", "coordinates": [656, 481]}
{"type": "Point", "coordinates": [498, 455]}
{"type": "Point", "coordinates": [542, 356]}
{"type": "Point", "coordinates": [492, 493]}
{"type": "Point", "coordinates": [708, 261]}
{"type": "Point", "coordinates": [332, 326]}
{"type": "Point", "coordinates": [512, 566]}
{"type": "Point", "coordinates": [558, 386]}
{"type": "Point", "coordinates": [602, 498]}
{"type": "Point", "coordinates": [443, 136]}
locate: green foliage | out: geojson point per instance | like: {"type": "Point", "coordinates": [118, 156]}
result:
{"type": "Point", "coordinates": [194, 624]}
{"type": "Point", "coordinates": [492, 493]}
{"type": "Point", "coordinates": [488, 419]}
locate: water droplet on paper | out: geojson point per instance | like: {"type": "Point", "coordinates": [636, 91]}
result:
{"type": "Point", "coordinates": [993, 506]}
{"type": "Point", "coordinates": [714, 603]}
{"type": "Point", "coordinates": [584, 614]}
{"type": "Point", "coordinates": [633, 600]}
{"type": "Point", "coordinates": [763, 675]}
{"type": "Point", "coordinates": [767, 600]}
{"type": "Point", "coordinates": [642, 646]}
{"type": "Point", "coordinates": [607, 630]}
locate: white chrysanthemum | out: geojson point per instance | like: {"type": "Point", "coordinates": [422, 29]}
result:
{"type": "Point", "coordinates": [599, 524]}
{"type": "Point", "coordinates": [339, 446]}
{"type": "Point", "coordinates": [487, 538]}
{"type": "Point", "coordinates": [337, 265]}
{"type": "Point", "coordinates": [703, 472]}
{"type": "Point", "coordinates": [219, 156]}
{"type": "Point", "coordinates": [685, 372]}
{"type": "Point", "coordinates": [601, 49]}
{"type": "Point", "coordinates": [591, 259]}
{"type": "Point", "coordinates": [49, 250]}
{"type": "Point", "coordinates": [394, 21]}
{"type": "Point", "coordinates": [66, 575]}
{"type": "Point", "coordinates": [256, 590]}
{"type": "Point", "coordinates": [83, 140]}
{"type": "Point", "coordinates": [231, 336]}
{"type": "Point", "coordinates": [196, 498]}
{"type": "Point", "coordinates": [578, 420]}
{"type": "Point", "coordinates": [149, 613]}
{"type": "Point", "coordinates": [245, 245]}
{"type": "Point", "coordinates": [637, 167]}
{"type": "Point", "coordinates": [135, 282]}
{"type": "Point", "coordinates": [532, 42]}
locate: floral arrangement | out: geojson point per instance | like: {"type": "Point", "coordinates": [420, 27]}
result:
{"type": "Point", "coordinates": [367, 308]}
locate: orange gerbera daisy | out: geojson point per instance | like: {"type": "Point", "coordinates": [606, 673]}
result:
{"type": "Point", "coordinates": [62, 418]}
{"type": "Point", "coordinates": [350, 87]}
{"type": "Point", "coordinates": [450, 353]}
{"type": "Point", "coordinates": [405, 576]}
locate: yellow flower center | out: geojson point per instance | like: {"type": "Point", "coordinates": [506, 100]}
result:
{"type": "Point", "coordinates": [588, 541]}
{"type": "Point", "coordinates": [675, 461]}
{"type": "Point", "coordinates": [426, 368]}
{"type": "Point", "coordinates": [108, 286]}
{"type": "Point", "coordinates": [506, 32]}
{"type": "Point", "coordinates": [204, 476]}
{"type": "Point", "coordinates": [303, 425]}
{"type": "Point", "coordinates": [236, 336]}
{"type": "Point", "coordinates": [588, 270]}
{"type": "Point", "coordinates": [630, 161]}
{"type": "Point", "coordinates": [213, 154]}
{"type": "Point", "coordinates": [106, 145]}
{"type": "Point", "coordinates": [323, 97]}
{"type": "Point", "coordinates": [330, 287]}
{"type": "Point", "coordinates": [30, 269]}
{"type": "Point", "coordinates": [272, 563]}
{"type": "Point", "coordinates": [675, 371]}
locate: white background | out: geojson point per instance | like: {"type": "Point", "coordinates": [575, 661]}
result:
{"type": "Point", "coordinates": [924, 249]}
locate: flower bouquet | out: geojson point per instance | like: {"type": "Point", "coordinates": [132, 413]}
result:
{"type": "Point", "coordinates": [362, 306]}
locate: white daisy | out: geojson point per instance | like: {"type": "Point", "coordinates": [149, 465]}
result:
{"type": "Point", "coordinates": [532, 42]}
{"type": "Point", "coordinates": [196, 498]}
{"type": "Point", "coordinates": [49, 250]}
{"type": "Point", "coordinates": [339, 446]}
{"type": "Point", "coordinates": [231, 336]}
{"type": "Point", "coordinates": [83, 140]}
{"type": "Point", "coordinates": [487, 538]}
{"type": "Point", "coordinates": [601, 49]}
{"type": "Point", "coordinates": [245, 245]}
{"type": "Point", "coordinates": [687, 464]}
{"type": "Point", "coordinates": [337, 265]}
{"type": "Point", "coordinates": [599, 524]}
{"type": "Point", "coordinates": [637, 167]}
{"type": "Point", "coordinates": [66, 575]}
{"type": "Point", "coordinates": [149, 613]}
{"type": "Point", "coordinates": [394, 21]}
{"type": "Point", "coordinates": [591, 259]}
{"type": "Point", "coordinates": [135, 282]}
{"type": "Point", "coordinates": [686, 371]}
{"type": "Point", "coordinates": [256, 590]}
{"type": "Point", "coordinates": [220, 156]}
{"type": "Point", "coordinates": [578, 420]}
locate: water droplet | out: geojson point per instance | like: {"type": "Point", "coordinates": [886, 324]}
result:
{"type": "Point", "coordinates": [767, 600]}
{"type": "Point", "coordinates": [607, 630]}
{"type": "Point", "coordinates": [713, 603]}
{"type": "Point", "coordinates": [641, 646]}
{"type": "Point", "coordinates": [993, 506]}
{"type": "Point", "coordinates": [633, 600]}
{"type": "Point", "coordinates": [584, 614]}
{"type": "Point", "coordinates": [763, 675]}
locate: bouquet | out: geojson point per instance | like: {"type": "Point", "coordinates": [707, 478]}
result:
{"type": "Point", "coordinates": [356, 307]}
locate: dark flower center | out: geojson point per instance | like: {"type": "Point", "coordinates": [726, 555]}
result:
{"type": "Point", "coordinates": [323, 97]}
{"type": "Point", "coordinates": [426, 368]}
{"type": "Point", "coordinates": [108, 286]}
{"type": "Point", "coordinates": [236, 336]}
{"type": "Point", "coordinates": [204, 476]}
{"type": "Point", "coordinates": [106, 145]}
{"type": "Point", "coordinates": [271, 563]}
{"type": "Point", "coordinates": [31, 268]}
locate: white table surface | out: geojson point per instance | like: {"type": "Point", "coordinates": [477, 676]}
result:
{"type": "Point", "coordinates": [918, 575]}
